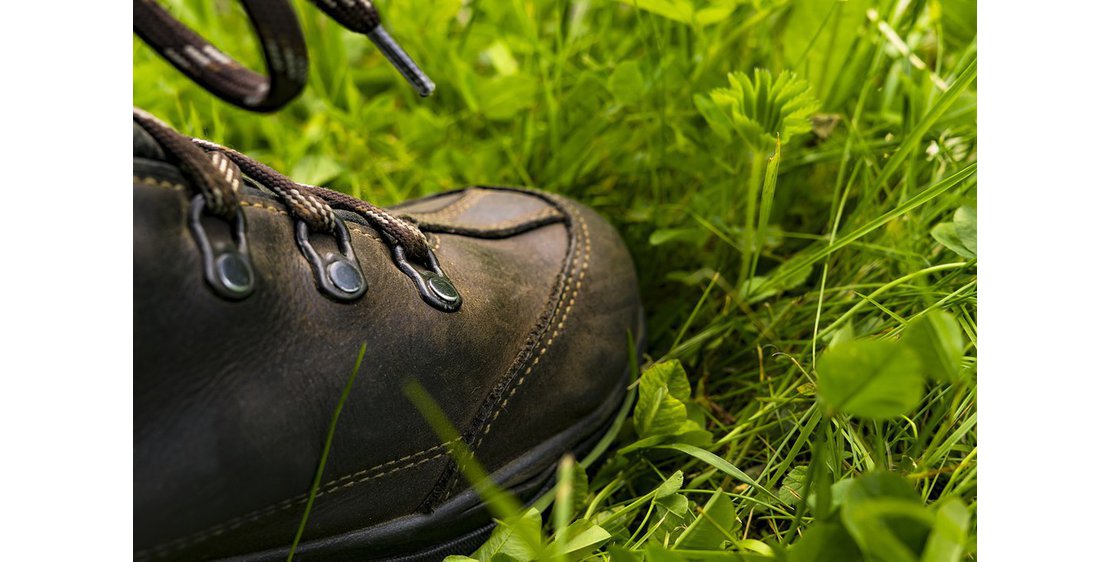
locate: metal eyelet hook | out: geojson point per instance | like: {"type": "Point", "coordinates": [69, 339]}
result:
{"type": "Point", "coordinates": [338, 276]}
{"type": "Point", "coordinates": [227, 266]}
{"type": "Point", "coordinates": [434, 286]}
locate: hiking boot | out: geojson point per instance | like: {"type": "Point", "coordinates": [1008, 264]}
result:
{"type": "Point", "coordinates": [512, 308]}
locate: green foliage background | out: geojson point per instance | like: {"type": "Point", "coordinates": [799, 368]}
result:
{"type": "Point", "coordinates": [804, 235]}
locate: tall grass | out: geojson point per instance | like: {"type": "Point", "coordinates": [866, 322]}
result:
{"type": "Point", "coordinates": [759, 243]}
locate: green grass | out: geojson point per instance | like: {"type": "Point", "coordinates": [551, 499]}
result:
{"type": "Point", "coordinates": [795, 271]}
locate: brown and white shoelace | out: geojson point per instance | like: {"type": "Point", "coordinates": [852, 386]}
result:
{"type": "Point", "coordinates": [283, 48]}
{"type": "Point", "coordinates": [215, 172]}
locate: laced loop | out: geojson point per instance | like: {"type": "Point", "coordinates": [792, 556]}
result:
{"type": "Point", "coordinates": [400, 231]}
{"type": "Point", "coordinates": [216, 177]}
{"type": "Point", "coordinates": [314, 204]}
{"type": "Point", "coordinates": [303, 204]}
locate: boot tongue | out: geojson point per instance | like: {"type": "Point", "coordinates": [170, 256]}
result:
{"type": "Point", "coordinates": [145, 145]}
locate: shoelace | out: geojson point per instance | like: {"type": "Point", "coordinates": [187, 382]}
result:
{"type": "Point", "coordinates": [215, 173]}
{"type": "Point", "coordinates": [283, 48]}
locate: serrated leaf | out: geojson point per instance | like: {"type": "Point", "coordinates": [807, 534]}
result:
{"type": "Point", "coordinates": [512, 539]}
{"type": "Point", "coordinates": [870, 379]}
{"type": "Point", "coordinates": [946, 542]}
{"type": "Point", "coordinates": [967, 227]}
{"type": "Point", "coordinates": [763, 109]}
{"type": "Point", "coordinates": [790, 493]}
{"type": "Point", "coordinates": [946, 234]}
{"type": "Point", "coordinates": [938, 342]}
{"type": "Point", "coordinates": [712, 526]}
{"type": "Point", "coordinates": [626, 83]}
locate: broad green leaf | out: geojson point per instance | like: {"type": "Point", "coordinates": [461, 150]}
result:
{"type": "Point", "coordinates": [887, 529]}
{"type": "Point", "coordinates": [938, 342]}
{"type": "Point", "coordinates": [582, 539]}
{"type": "Point", "coordinates": [946, 234]}
{"type": "Point", "coordinates": [459, 558]}
{"type": "Point", "coordinates": [626, 83]}
{"type": "Point", "coordinates": [670, 485]}
{"type": "Point", "coordinates": [825, 542]}
{"type": "Point", "coordinates": [670, 515]}
{"type": "Point", "coordinates": [660, 409]}
{"type": "Point", "coordinates": [946, 542]}
{"type": "Point", "coordinates": [876, 484]}
{"type": "Point", "coordinates": [884, 514]}
{"type": "Point", "coordinates": [658, 413]}
{"type": "Point", "coordinates": [511, 538]}
{"type": "Point", "coordinates": [674, 503]}
{"type": "Point", "coordinates": [712, 526]}
{"type": "Point", "coordinates": [818, 37]}
{"type": "Point", "coordinates": [620, 554]}
{"type": "Point", "coordinates": [844, 334]}
{"type": "Point", "coordinates": [657, 553]}
{"type": "Point", "coordinates": [967, 227]}
{"type": "Point", "coordinates": [790, 493]}
{"type": "Point", "coordinates": [870, 379]}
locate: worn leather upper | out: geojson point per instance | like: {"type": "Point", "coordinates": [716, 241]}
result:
{"type": "Point", "coordinates": [233, 399]}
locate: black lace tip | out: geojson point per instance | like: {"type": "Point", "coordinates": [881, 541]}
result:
{"type": "Point", "coordinates": [402, 61]}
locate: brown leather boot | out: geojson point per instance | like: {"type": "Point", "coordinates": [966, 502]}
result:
{"type": "Point", "coordinates": [252, 296]}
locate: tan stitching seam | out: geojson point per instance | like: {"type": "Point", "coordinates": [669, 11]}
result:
{"type": "Point", "coordinates": [371, 473]}
{"type": "Point", "coordinates": [565, 282]}
{"type": "Point", "coordinates": [538, 215]}
{"type": "Point", "coordinates": [155, 182]}
{"type": "Point", "coordinates": [558, 328]}
{"type": "Point", "coordinates": [535, 216]}
{"type": "Point", "coordinates": [456, 208]}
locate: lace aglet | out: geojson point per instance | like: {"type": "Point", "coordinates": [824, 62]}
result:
{"type": "Point", "coordinates": [402, 61]}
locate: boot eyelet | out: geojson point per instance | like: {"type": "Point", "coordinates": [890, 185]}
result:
{"type": "Point", "coordinates": [434, 286]}
{"type": "Point", "coordinates": [338, 276]}
{"type": "Point", "coordinates": [227, 265]}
